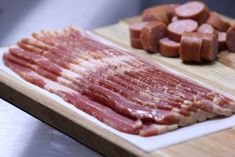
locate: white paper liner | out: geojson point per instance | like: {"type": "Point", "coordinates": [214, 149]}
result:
{"type": "Point", "coordinates": [147, 144]}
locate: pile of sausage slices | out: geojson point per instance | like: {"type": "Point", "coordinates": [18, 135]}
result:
{"type": "Point", "coordinates": [188, 30]}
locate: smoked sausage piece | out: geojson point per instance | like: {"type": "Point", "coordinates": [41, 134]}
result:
{"type": "Point", "coordinates": [222, 41]}
{"type": "Point", "coordinates": [209, 47]}
{"type": "Point", "coordinates": [135, 29]}
{"type": "Point", "coordinates": [216, 21]}
{"type": "Point", "coordinates": [162, 13]}
{"type": "Point", "coordinates": [169, 48]}
{"type": "Point", "coordinates": [190, 47]}
{"type": "Point", "coordinates": [231, 38]}
{"type": "Point", "coordinates": [174, 18]}
{"type": "Point", "coordinates": [195, 10]}
{"type": "Point", "coordinates": [152, 16]}
{"type": "Point", "coordinates": [177, 28]}
{"type": "Point", "coordinates": [151, 34]}
{"type": "Point", "coordinates": [136, 43]}
{"type": "Point", "coordinates": [207, 28]}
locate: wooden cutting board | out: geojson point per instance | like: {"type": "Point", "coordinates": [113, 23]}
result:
{"type": "Point", "coordinates": [220, 74]}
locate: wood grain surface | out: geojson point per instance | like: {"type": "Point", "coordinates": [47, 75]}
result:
{"type": "Point", "coordinates": [220, 75]}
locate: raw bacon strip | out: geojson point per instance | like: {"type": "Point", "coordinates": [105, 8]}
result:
{"type": "Point", "coordinates": [157, 97]}
{"type": "Point", "coordinates": [31, 57]}
{"type": "Point", "coordinates": [209, 107]}
{"type": "Point", "coordinates": [84, 42]}
{"type": "Point", "coordinates": [194, 86]}
{"type": "Point", "coordinates": [143, 101]}
{"type": "Point", "coordinates": [165, 104]}
{"type": "Point", "coordinates": [146, 113]}
{"type": "Point", "coordinates": [127, 108]}
{"type": "Point", "coordinates": [41, 71]}
{"type": "Point", "coordinates": [100, 112]}
{"type": "Point", "coordinates": [196, 89]}
{"type": "Point", "coordinates": [154, 129]}
{"type": "Point", "coordinates": [40, 62]}
{"type": "Point", "coordinates": [108, 75]}
{"type": "Point", "coordinates": [76, 59]}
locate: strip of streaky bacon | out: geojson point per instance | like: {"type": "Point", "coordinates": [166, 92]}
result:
{"type": "Point", "coordinates": [73, 32]}
{"type": "Point", "coordinates": [97, 110]}
{"type": "Point", "coordinates": [216, 110]}
{"type": "Point", "coordinates": [53, 76]}
{"type": "Point", "coordinates": [72, 59]}
{"type": "Point", "coordinates": [109, 76]}
{"type": "Point", "coordinates": [130, 108]}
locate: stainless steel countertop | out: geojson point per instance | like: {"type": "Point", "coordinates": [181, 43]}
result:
{"type": "Point", "coordinates": [22, 135]}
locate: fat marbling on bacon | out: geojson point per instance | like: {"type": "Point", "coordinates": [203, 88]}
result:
{"type": "Point", "coordinates": [117, 88]}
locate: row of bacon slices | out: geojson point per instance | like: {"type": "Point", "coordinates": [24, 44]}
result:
{"type": "Point", "coordinates": [189, 30]}
{"type": "Point", "coordinates": [119, 89]}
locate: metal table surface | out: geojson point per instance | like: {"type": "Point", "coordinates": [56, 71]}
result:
{"type": "Point", "coordinates": [22, 135]}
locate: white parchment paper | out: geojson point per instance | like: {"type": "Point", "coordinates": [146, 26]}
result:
{"type": "Point", "coordinates": [147, 144]}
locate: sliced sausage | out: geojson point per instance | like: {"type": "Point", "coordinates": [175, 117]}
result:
{"type": "Point", "coordinates": [222, 41]}
{"type": "Point", "coordinates": [151, 34]}
{"type": "Point", "coordinates": [177, 28]}
{"type": "Point", "coordinates": [209, 47]}
{"type": "Point", "coordinates": [231, 39]}
{"type": "Point", "coordinates": [153, 16]}
{"type": "Point", "coordinates": [190, 47]}
{"type": "Point", "coordinates": [161, 13]}
{"type": "Point", "coordinates": [195, 10]}
{"type": "Point", "coordinates": [169, 48]}
{"type": "Point", "coordinates": [174, 18]}
{"type": "Point", "coordinates": [216, 21]}
{"type": "Point", "coordinates": [207, 28]}
{"type": "Point", "coordinates": [168, 9]}
{"type": "Point", "coordinates": [135, 29]}
{"type": "Point", "coordinates": [136, 43]}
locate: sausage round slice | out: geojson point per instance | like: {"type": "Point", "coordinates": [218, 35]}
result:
{"type": "Point", "coordinates": [169, 48]}
{"type": "Point", "coordinates": [208, 29]}
{"type": "Point", "coordinates": [174, 18]}
{"type": "Point", "coordinates": [222, 40]}
{"type": "Point", "coordinates": [177, 28]}
{"type": "Point", "coordinates": [216, 21]}
{"type": "Point", "coordinates": [151, 34]}
{"type": "Point", "coordinates": [231, 39]}
{"type": "Point", "coordinates": [195, 10]}
{"type": "Point", "coordinates": [190, 47]}
{"type": "Point", "coordinates": [162, 13]}
{"type": "Point", "coordinates": [153, 16]}
{"type": "Point", "coordinates": [209, 47]}
{"type": "Point", "coordinates": [136, 43]}
{"type": "Point", "coordinates": [168, 9]}
{"type": "Point", "coordinates": [135, 29]}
